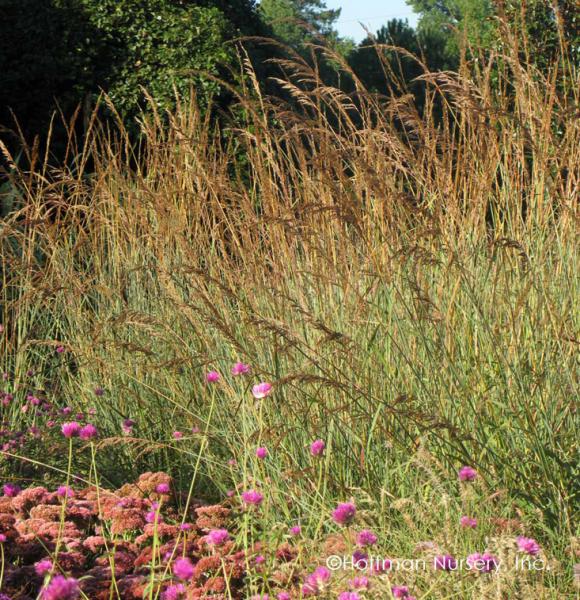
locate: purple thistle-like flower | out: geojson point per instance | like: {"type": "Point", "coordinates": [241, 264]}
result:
{"type": "Point", "coordinates": [88, 432]}
{"type": "Point", "coordinates": [64, 491]}
{"type": "Point", "coordinates": [468, 522]}
{"type": "Point", "coordinates": [344, 513]}
{"type": "Point", "coordinates": [283, 596]}
{"type": "Point", "coordinates": [61, 588]}
{"type": "Point", "coordinates": [212, 376]}
{"type": "Point", "coordinates": [261, 453]}
{"type": "Point", "coordinates": [177, 435]}
{"type": "Point", "coordinates": [366, 538]}
{"type": "Point", "coordinates": [71, 429]}
{"type": "Point", "coordinates": [60, 349]}
{"type": "Point", "coordinates": [186, 527]}
{"type": "Point", "coordinates": [11, 490]}
{"type": "Point", "coordinates": [261, 390]}
{"type": "Point", "coordinates": [445, 562]}
{"type": "Point", "coordinates": [400, 591]}
{"type": "Point", "coordinates": [317, 447]}
{"type": "Point", "coordinates": [482, 562]}
{"type": "Point", "coordinates": [176, 591]}
{"type": "Point", "coordinates": [467, 474]}
{"type": "Point", "coordinates": [42, 567]}
{"type": "Point", "coordinates": [240, 368]}
{"type": "Point", "coordinates": [316, 581]}
{"type": "Point", "coordinates": [217, 537]}
{"type": "Point", "coordinates": [163, 488]}
{"type": "Point", "coordinates": [360, 583]}
{"type": "Point", "coordinates": [3, 538]}
{"type": "Point", "coordinates": [349, 596]}
{"type": "Point", "coordinates": [252, 497]}
{"type": "Point", "coordinates": [183, 569]}
{"type": "Point", "coordinates": [296, 530]}
{"type": "Point", "coordinates": [99, 391]}
{"type": "Point", "coordinates": [527, 545]}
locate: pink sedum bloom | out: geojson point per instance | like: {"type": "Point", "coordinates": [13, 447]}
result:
{"type": "Point", "coordinates": [261, 390]}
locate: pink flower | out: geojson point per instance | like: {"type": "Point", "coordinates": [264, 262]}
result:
{"type": "Point", "coordinates": [71, 429]}
{"type": "Point", "coordinates": [99, 391]}
{"type": "Point", "coordinates": [482, 562]}
{"type": "Point", "coordinates": [366, 538]}
{"type": "Point", "coordinates": [260, 559]}
{"type": "Point", "coordinates": [3, 538]}
{"type": "Point", "coordinates": [261, 453]}
{"type": "Point", "coordinates": [240, 369]}
{"type": "Point", "coordinates": [360, 583]}
{"type": "Point", "coordinates": [186, 527]}
{"type": "Point", "coordinates": [60, 349]}
{"type": "Point", "coordinates": [400, 591]}
{"type": "Point", "coordinates": [296, 530]}
{"type": "Point", "coordinates": [252, 497]}
{"type": "Point", "coordinates": [11, 490]}
{"type": "Point", "coordinates": [445, 563]}
{"type": "Point", "coordinates": [177, 435]}
{"type": "Point", "coordinates": [316, 581]}
{"type": "Point", "coordinates": [88, 432]}
{"type": "Point", "coordinates": [349, 596]}
{"type": "Point", "coordinates": [163, 488]}
{"type": "Point", "coordinates": [283, 596]}
{"type": "Point", "coordinates": [261, 390]}
{"type": "Point", "coordinates": [174, 592]}
{"type": "Point", "coordinates": [317, 447]}
{"type": "Point", "coordinates": [468, 522]}
{"type": "Point", "coordinates": [344, 513]}
{"type": "Point", "coordinates": [183, 569]}
{"type": "Point", "coordinates": [61, 588]}
{"type": "Point", "coordinates": [42, 567]}
{"type": "Point", "coordinates": [528, 545]}
{"type": "Point", "coordinates": [217, 537]}
{"type": "Point", "coordinates": [467, 474]}
{"type": "Point", "coordinates": [212, 377]}
{"type": "Point", "coordinates": [64, 491]}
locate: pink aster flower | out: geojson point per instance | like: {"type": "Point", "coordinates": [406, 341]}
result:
{"type": "Point", "coordinates": [468, 522]}
{"type": "Point", "coordinates": [61, 588]}
{"type": "Point", "coordinates": [176, 591]}
{"type": "Point", "coordinates": [88, 432]}
{"type": "Point", "coordinates": [344, 513]}
{"type": "Point", "coordinates": [445, 562]}
{"type": "Point", "coordinates": [467, 474]}
{"type": "Point", "coordinates": [317, 448]}
{"type": "Point", "coordinates": [240, 369]}
{"type": "Point", "coordinates": [163, 488]}
{"type": "Point", "coordinates": [262, 452]}
{"type": "Point", "coordinates": [71, 429]}
{"type": "Point", "coordinates": [11, 490]}
{"type": "Point", "coordinates": [212, 376]}
{"type": "Point", "coordinates": [217, 537]}
{"type": "Point", "coordinates": [261, 390]}
{"type": "Point", "coordinates": [366, 538]}
{"type": "Point", "coordinates": [42, 567]}
{"type": "Point", "coordinates": [183, 569]}
{"type": "Point", "coordinates": [527, 545]}
{"type": "Point", "coordinates": [252, 497]}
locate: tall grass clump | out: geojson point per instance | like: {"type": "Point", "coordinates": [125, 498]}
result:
{"type": "Point", "coordinates": [407, 282]}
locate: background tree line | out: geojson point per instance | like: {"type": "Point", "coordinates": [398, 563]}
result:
{"type": "Point", "coordinates": [59, 54]}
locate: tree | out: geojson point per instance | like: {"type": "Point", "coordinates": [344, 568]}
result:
{"type": "Point", "coordinates": [285, 18]}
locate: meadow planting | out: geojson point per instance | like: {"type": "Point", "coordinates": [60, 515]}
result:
{"type": "Point", "coordinates": [324, 349]}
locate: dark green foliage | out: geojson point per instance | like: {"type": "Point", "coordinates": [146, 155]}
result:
{"type": "Point", "coordinates": [66, 51]}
